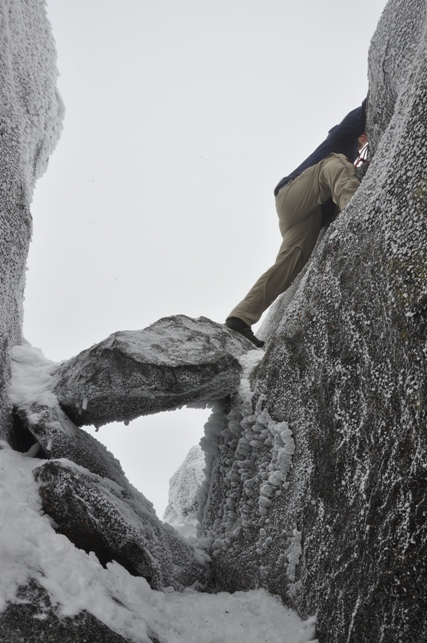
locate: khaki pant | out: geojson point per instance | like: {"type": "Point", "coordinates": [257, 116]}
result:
{"type": "Point", "coordinates": [298, 208]}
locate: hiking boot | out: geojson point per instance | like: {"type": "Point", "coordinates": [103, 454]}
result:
{"type": "Point", "coordinates": [239, 326]}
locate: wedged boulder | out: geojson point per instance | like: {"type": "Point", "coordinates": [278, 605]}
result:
{"type": "Point", "coordinates": [174, 362]}
{"type": "Point", "coordinates": [98, 515]}
{"type": "Point", "coordinates": [318, 487]}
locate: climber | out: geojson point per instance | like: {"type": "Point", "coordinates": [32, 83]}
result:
{"type": "Point", "coordinates": [327, 175]}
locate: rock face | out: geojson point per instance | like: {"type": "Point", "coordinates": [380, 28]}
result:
{"type": "Point", "coordinates": [318, 489]}
{"type": "Point", "coordinates": [174, 362]}
{"type": "Point", "coordinates": [184, 487]}
{"type": "Point", "coordinates": [316, 456]}
{"type": "Point", "coordinates": [100, 516]}
{"type": "Point", "coordinates": [30, 123]}
{"type": "Point", "coordinates": [34, 618]}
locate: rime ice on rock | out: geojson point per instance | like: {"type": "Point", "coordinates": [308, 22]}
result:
{"type": "Point", "coordinates": [184, 486]}
{"type": "Point", "coordinates": [84, 489]}
{"type": "Point", "coordinates": [174, 362]}
{"type": "Point", "coordinates": [113, 521]}
{"type": "Point", "coordinates": [30, 123]}
{"type": "Point", "coordinates": [52, 590]}
{"type": "Point", "coordinates": [71, 597]}
{"type": "Point", "coordinates": [316, 472]}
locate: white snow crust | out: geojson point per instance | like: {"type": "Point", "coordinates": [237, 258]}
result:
{"type": "Point", "coordinates": [32, 377]}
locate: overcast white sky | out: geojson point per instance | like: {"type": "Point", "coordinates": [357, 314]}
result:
{"type": "Point", "coordinates": [181, 117]}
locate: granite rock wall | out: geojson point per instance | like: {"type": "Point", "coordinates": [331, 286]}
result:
{"type": "Point", "coordinates": [318, 490]}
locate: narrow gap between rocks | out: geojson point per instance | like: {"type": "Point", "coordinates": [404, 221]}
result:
{"type": "Point", "coordinates": [151, 448]}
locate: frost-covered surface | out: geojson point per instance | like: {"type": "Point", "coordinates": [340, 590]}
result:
{"type": "Point", "coordinates": [174, 362]}
{"type": "Point", "coordinates": [249, 461]}
{"type": "Point", "coordinates": [218, 424]}
{"type": "Point", "coordinates": [77, 584]}
{"type": "Point", "coordinates": [100, 516]}
{"type": "Point", "coordinates": [51, 590]}
{"type": "Point", "coordinates": [316, 466]}
{"type": "Point", "coordinates": [184, 486]}
{"type": "Point", "coordinates": [345, 369]}
{"type": "Point", "coordinates": [30, 124]}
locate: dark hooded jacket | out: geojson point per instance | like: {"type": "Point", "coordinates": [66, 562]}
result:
{"type": "Point", "coordinates": [342, 139]}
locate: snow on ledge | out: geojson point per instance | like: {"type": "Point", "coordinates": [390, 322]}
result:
{"type": "Point", "coordinates": [32, 377]}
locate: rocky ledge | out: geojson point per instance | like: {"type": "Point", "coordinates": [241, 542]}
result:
{"type": "Point", "coordinates": [174, 362]}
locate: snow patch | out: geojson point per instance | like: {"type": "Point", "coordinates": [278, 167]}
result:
{"type": "Point", "coordinates": [32, 377]}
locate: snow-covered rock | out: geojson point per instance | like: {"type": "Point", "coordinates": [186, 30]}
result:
{"type": "Point", "coordinates": [41, 426]}
{"type": "Point", "coordinates": [100, 516]}
{"type": "Point", "coordinates": [318, 490]}
{"type": "Point", "coordinates": [184, 487]}
{"type": "Point", "coordinates": [33, 617]}
{"type": "Point", "coordinates": [172, 363]}
{"type": "Point", "coordinates": [53, 592]}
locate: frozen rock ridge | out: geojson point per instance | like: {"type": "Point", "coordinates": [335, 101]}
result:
{"type": "Point", "coordinates": [315, 455]}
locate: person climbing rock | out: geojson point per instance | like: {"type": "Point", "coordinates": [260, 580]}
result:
{"type": "Point", "coordinates": [326, 176]}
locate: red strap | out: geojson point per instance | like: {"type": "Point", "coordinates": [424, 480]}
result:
{"type": "Point", "coordinates": [362, 156]}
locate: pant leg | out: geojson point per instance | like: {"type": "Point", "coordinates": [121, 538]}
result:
{"type": "Point", "coordinates": [274, 281]}
{"type": "Point", "coordinates": [299, 212]}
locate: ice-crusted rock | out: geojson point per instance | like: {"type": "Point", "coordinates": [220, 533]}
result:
{"type": "Point", "coordinates": [30, 124]}
{"type": "Point", "coordinates": [33, 618]}
{"type": "Point", "coordinates": [174, 362]}
{"type": "Point", "coordinates": [99, 515]}
{"type": "Point", "coordinates": [318, 487]}
{"type": "Point", "coordinates": [184, 486]}
{"type": "Point", "coordinates": [49, 429]}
